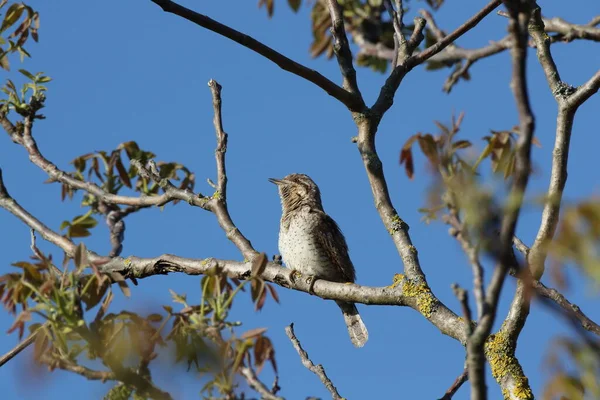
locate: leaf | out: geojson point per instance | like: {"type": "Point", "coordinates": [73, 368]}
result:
{"type": "Point", "coordinates": [122, 173]}
{"type": "Point", "coordinates": [27, 74]}
{"type": "Point", "coordinates": [258, 265]}
{"type": "Point", "coordinates": [95, 292]}
{"type": "Point", "coordinates": [295, 4]}
{"type": "Point", "coordinates": [154, 318]}
{"type": "Point", "coordinates": [253, 333]}
{"type": "Point", "coordinates": [78, 231]}
{"type": "Point", "coordinates": [263, 351]}
{"type": "Point", "coordinates": [13, 14]}
{"type": "Point", "coordinates": [257, 286]}
{"type": "Point", "coordinates": [428, 146]}
{"type": "Point", "coordinates": [178, 298]}
{"type": "Point", "coordinates": [117, 277]}
{"type": "Point", "coordinates": [261, 299]}
{"type": "Point", "coordinates": [406, 158]}
{"type": "Point", "coordinates": [461, 144]}
{"type": "Point", "coordinates": [4, 63]}
{"type": "Point", "coordinates": [80, 257]}
{"type": "Point", "coordinates": [273, 292]}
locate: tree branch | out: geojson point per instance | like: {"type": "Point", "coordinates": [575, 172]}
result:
{"type": "Point", "coordinates": [386, 96]}
{"type": "Point", "coordinates": [342, 51]}
{"type": "Point", "coordinates": [143, 386]}
{"type": "Point", "coordinates": [462, 378]}
{"type": "Point", "coordinates": [12, 353]}
{"type": "Point", "coordinates": [347, 98]}
{"type": "Point", "coordinates": [306, 361]}
{"type": "Point", "coordinates": [519, 18]}
{"type": "Point", "coordinates": [255, 383]}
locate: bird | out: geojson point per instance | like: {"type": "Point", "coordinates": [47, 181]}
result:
{"type": "Point", "coordinates": [311, 243]}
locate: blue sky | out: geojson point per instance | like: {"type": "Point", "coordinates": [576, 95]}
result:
{"type": "Point", "coordinates": [124, 70]}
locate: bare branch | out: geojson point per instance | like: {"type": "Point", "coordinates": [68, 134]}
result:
{"type": "Point", "coordinates": [11, 205]}
{"type": "Point", "coordinates": [306, 361]}
{"type": "Point", "coordinates": [386, 96]}
{"type": "Point", "coordinates": [542, 44]}
{"type": "Point", "coordinates": [255, 383]}
{"type": "Point", "coordinates": [342, 51]}
{"type": "Point", "coordinates": [472, 252]}
{"type": "Point", "coordinates": [219, 199]}
{"type": "Point", "coordinates": [142, 385]}
{"type": "Point", "coordinates": [458, 32]}
{"type": "Point", "coordinates": [400, 43]}
{"type": "Point", "coordinates": [568, 32]}
{"type": "Point", "coordinates": [78, 369]}
{"type": "Point", "coordinates": [571, 309]}
{"type": "Point", "coordinates": [463, 297]}
{"type": "Point", "coordinates": [12, 353]}
{"type": "Point", "coordinates": [520, 15]}
{"type": "Point", "coordinates": [462, 378]}
{"type": "Point", "coordinates": [347, 98]}
{"type": "Point", "coordinates": [215, 89]}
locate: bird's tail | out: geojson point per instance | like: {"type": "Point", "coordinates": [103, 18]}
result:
{"type": "Point", "coordinates": [356, 328]}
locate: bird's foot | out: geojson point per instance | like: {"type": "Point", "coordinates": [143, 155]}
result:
{"type": "Point", "coordinates": [294, 274]}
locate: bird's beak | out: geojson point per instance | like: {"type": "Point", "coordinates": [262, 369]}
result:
{"type": "Point", "coordinates": [276, 181]}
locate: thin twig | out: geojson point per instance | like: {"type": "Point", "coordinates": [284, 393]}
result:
{"type": "Point", "coordinates": [342, 51]}
{"type": "Point", "coordinates": [386, 96]}
{"type": "Point", "coordinates": [19, 347]}
{"type": "Point", "coordinates": [458, 32]}
{"type": "Point", "coordinates": [255, 383]}
{"type": "Point", "coordinates": [460, 380]}
{"type": "Point", "coordinates": [463, 297]}
{"type": "Point", "coordinates": [306, 361]}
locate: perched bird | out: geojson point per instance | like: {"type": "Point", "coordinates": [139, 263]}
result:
{"type": "Point", "coordinates": [311, 243]}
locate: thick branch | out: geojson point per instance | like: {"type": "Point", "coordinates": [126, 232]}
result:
{"type": "Point", "coordinates": [347, 98]}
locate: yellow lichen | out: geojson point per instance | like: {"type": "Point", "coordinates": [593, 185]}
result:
{"type": "Point", "coordinates": [396, 280]}
{"type": "Point", "coordinates": [425, 301]}
{"type": "Point", "coordinates": [396, 224]}
{"type": "Point", "coordinates": [503, 363]}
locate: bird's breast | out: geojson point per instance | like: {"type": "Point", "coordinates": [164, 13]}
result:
{"type": "Point", "coordinates": [300, 249]}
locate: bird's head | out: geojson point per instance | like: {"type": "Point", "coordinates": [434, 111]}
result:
{"type": "Point", "coordinates": [296, 191]}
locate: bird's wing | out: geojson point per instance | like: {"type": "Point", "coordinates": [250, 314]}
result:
{"type": "Point", "coordinates": [330, 238]}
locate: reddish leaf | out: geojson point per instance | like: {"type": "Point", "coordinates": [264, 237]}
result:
{"type": "Point", "coordinates": [261, 299]}
{"type": "Point", "coordinates": [273, 292]}
{"type": "Point", "coordinates": [258, 265]}
{"type": "Point", "coordinates": [406, 158]}
{"type": "Point", "coordinates": [428, 146]}
{"type": "Point", "coordinates": [253, 333]}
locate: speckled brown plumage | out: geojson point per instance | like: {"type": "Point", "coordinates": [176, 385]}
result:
{"type": "Point", "coordinates": [311, 243]}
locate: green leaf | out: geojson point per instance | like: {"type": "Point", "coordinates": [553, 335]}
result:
{"type": "Point", "coordinates": [13, 14]}
{"type": "Point", "coordinates": [76, 231]}
{"type": "Point", "coordinates": [178, 298]}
